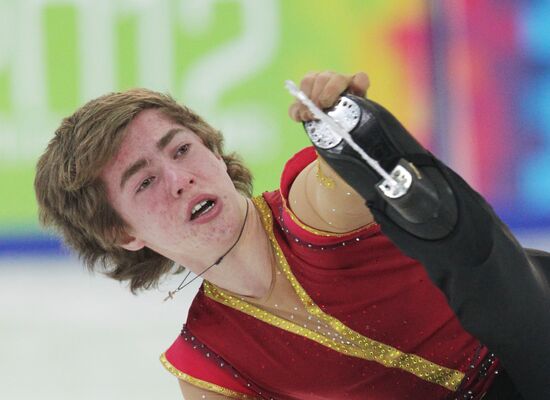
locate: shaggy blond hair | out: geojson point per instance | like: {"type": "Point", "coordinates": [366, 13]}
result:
{"type": "Point", "coordinates": [72, 198]}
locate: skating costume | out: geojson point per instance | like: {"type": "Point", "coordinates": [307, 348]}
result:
{"type": "Point", "coordinates": [349, 316]}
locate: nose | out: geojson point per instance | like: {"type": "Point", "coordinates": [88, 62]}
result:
{"type": "Point", "coordinates": [178, 181]}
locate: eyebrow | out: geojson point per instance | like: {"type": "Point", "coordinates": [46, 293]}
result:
{"type": "Point", "coordinates": [141, 163]}
{"type": "Point", "coordinates": [167, 138]}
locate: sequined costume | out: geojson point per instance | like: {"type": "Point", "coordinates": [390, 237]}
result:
{"type": "Point", "coordinates": [349, 316]}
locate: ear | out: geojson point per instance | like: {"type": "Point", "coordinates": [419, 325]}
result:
{"type": "Point", "coordinates": [131, 243]}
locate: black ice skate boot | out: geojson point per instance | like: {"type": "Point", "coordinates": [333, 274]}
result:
{"type": "Point", "coordinates": [424, 205]}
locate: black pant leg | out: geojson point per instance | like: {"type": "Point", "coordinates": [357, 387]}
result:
{"type": "Point", "coordinates": [499, 292]}
{"type": "Point", "coordinates": [503, 389]}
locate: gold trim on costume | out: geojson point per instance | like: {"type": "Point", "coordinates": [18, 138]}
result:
{"type": "Point", "coordinates": [202, 384]}
{"type": "Point", "coordinates": [356, 344]}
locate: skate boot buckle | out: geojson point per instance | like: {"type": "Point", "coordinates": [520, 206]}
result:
{"type": "Point", "coordinates": [402, 177]}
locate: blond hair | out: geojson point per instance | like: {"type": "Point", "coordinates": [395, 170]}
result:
{"type": "Point", "coordinates": [72, 198]}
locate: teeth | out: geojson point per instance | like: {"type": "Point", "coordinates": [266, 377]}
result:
{"type": "Point", "coordinates": [202, 208]}
{"type": "Point", "coordinates": [198, 206]}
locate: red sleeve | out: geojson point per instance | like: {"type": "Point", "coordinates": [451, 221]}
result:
{"type": "Point", "coordinates": [191, 361]}
{"type": "Point", "coordinates": [294, 166]}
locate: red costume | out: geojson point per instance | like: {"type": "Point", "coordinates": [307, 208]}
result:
{"type": "Point", "coordinates": [366, 322]}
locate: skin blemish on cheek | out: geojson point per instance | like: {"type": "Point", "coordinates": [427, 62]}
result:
{"type": "Point", "coordinates": [210, 235]}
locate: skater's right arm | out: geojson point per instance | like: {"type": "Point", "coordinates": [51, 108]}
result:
{"type": "Point", "coordinates": [319, 197]}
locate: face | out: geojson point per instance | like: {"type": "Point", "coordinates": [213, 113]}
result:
{"type": "Point", "coordinates": [173, 192]}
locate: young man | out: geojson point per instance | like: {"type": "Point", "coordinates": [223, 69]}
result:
{"type": "Point", "coordinates": [304, 297]}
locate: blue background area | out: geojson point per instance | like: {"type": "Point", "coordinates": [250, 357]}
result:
{"type": "Point", "coordinates": [534, 101]}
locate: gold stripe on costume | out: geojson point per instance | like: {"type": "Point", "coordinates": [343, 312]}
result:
{"type": "Point", "coordinates": [202, 384]}
{"type": "Point", "coordinates": [356, 345]}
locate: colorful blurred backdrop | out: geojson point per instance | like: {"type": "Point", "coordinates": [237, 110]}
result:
{"type": "Point", "coordinates": [469, 78]}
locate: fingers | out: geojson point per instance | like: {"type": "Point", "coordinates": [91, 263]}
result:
{"type": "Point", "coordinates": [359, 84]}
{"type": "Point", "coordinates": [294, 111]}
{"type": "Point", "coordinates": [318, 92]}
{"type": "Point", "coordinates": [324, 89]}
{"type": "Point", "coordinates": [307, 85]}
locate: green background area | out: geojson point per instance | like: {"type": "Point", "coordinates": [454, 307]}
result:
{"type": "Point", "coordinates": [339, 36]}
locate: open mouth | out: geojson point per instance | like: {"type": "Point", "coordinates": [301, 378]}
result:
{"type": "Point", "coordinates": [202, 208]}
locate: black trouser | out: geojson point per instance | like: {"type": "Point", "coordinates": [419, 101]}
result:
{"type": "Point", "coordinates": [503, 389]}
{"type": "Point", "coordinates": [499, 291]}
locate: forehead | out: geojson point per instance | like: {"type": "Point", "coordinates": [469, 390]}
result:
{"type": "Point", "coordinates": [150, 123]}
{"type": "Point", "coordinates": [141, 135]}
{"type": "Point", "coordinates": [147, 128]}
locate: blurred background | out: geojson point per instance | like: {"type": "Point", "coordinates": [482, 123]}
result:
{"type": "Point", "coordinates": [469, 78]}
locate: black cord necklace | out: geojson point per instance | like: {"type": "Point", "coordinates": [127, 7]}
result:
{"type": "Point", "coordinates": [182, 285]}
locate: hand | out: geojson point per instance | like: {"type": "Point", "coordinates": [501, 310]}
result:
{"type": "Point", "coordinates": [325, 88]}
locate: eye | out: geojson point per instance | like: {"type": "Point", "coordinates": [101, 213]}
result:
{"type": "Point", "coordinates": [145, 184]}
{"type": "Point", "coordinates": [182, 150]}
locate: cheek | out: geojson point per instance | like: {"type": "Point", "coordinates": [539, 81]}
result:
{"type": "Point", "coordinates": [141, 214]}
{"type": "Point", "coordinates": [211, 165]}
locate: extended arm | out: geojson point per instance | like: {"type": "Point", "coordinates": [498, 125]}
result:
{"type": "Point", "coordinates": [319, 197]}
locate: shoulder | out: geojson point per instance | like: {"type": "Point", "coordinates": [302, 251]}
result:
{"type": "Point", "coordinates": [324, 201]}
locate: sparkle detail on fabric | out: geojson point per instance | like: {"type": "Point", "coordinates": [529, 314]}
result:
{"type": "Point", "coordinates": [348, 341]}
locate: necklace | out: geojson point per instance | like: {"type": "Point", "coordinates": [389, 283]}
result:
{"type": "Point", "coordinates": [182, 285]}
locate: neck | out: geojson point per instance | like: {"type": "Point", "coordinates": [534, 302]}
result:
{"type": "Point", "coordinates": [247, 269]}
